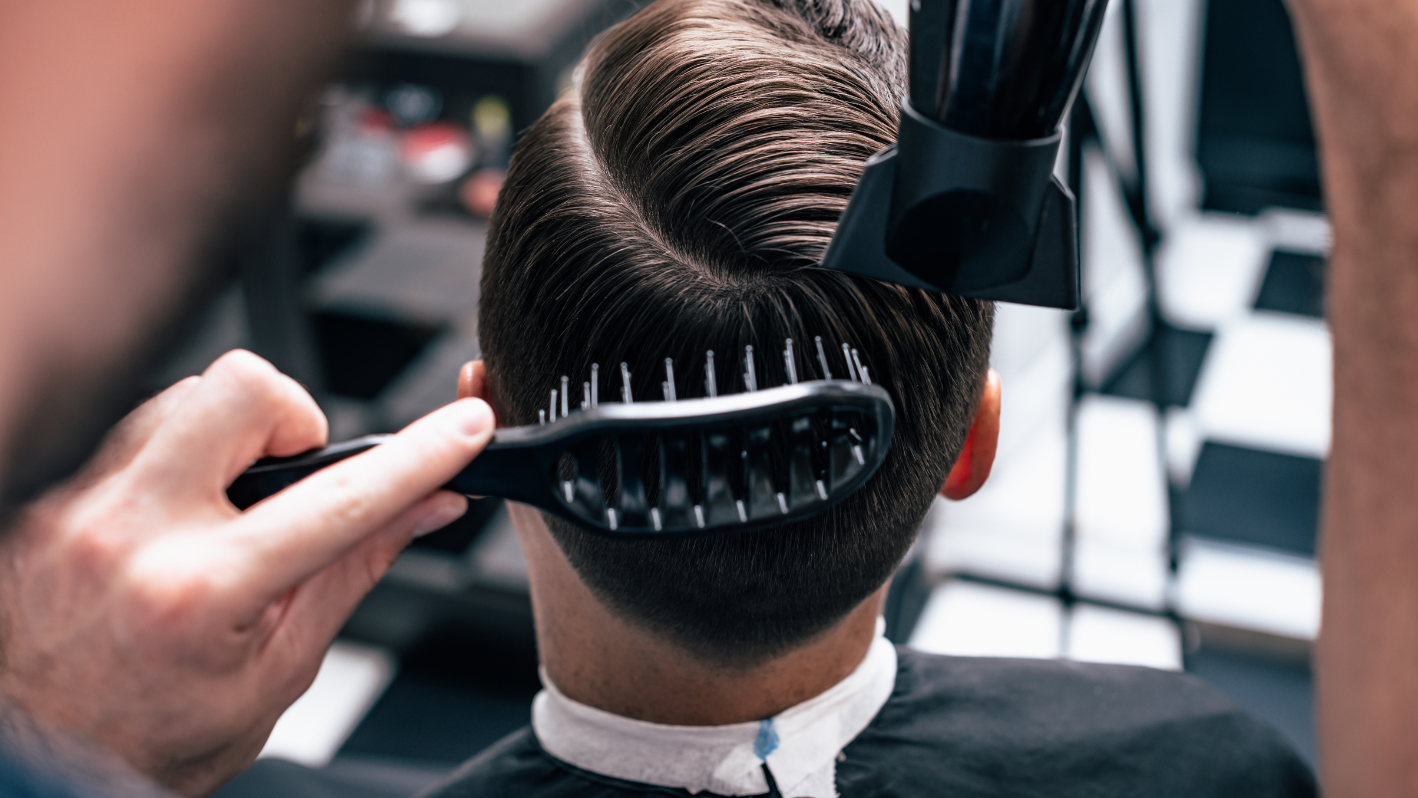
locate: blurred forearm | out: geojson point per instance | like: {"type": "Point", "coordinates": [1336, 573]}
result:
{"type": "Point", "coordinates": [1362, 66]}
{"type": "Point", "coordinates": [132, 133]}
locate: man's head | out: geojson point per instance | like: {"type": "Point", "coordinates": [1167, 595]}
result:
{"type": "Point", "coordinates": [678, 202]}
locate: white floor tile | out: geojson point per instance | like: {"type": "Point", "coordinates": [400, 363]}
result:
{"type": "Point", "coordinates": [1169, 48]}
{"type": "Point", "coordinates": [1100, 634]}
{"type": "Point", "coordinates": [1249, 589]}
{"type": "Point", "coordinates": [966, 619]}
{"type": "Point", "coordinates": [1298, 231]}
{"type": "Point", "coordinates": [1122, 498]}
{"type": "Point", "coordinates": [350, 680]}
{"type": "Point", "coordinates": [1183, 445]}
{"type": "Point", "coordinates": [1010, 556]}
{"type": "Point", "coordinates": [1113, 284]}
{"type": "Point", "coordinates": [1209, 270]}
{"type": "Point", "coordinates": [1266, 384]}
{"type": "Point", "coordinates": [1012, 529]}
{"type": "Point", "coordinates": [1134, 576]}
{"type": "Point", "coordinates": [1107, 88]}
{"type": "Point", "coordinates": [1034, 402]}
{"type": "Point", "coordinates": [1023, 334]}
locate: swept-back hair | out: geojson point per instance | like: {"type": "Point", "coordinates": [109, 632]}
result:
{"type": "Point", "coordinates": [676, 202]}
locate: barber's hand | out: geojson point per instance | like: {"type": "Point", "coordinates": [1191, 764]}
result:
{"type": "Point", "coordinates": [142, 610]}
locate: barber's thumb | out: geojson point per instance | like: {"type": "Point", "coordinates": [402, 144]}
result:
{"type": "Point", "coordinates": [472, 419]}
{"type": "Point", "coordinates": [442, 444]}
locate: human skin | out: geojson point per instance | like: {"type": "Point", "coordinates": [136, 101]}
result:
{"type": "Point", "coordinates": [605, 661]}
{"type": "Point", "coordinates": [139, 609]}
{"type": "Point", "coordinates": [137, 138]}
{"type": "Point", "coordinates": [1361, 61]}
{"type": "Point", "coordinates": [143, 611]}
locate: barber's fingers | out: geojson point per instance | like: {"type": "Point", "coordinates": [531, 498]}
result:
{"type": "Point", "coordinates": [324, 602]}
{"type": "Point", "coordinates": [302, 530]}
{"type": "Point", "coordinates": [241, 410]}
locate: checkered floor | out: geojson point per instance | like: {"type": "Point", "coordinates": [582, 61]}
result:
{"type": "Point", "coordinates": [1196, 522]}
{"type": "Point", "coordinates": [1185, 536]}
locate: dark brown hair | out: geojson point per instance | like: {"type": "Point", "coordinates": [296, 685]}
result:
{"type": "Point", "coordinates": [678, 201]}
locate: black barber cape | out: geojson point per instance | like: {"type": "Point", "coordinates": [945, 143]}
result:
{"type": "Point", "coordinates": [966, 726]}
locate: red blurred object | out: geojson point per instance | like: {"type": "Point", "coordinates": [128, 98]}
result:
{"type": "Point", "coordinates": [375, 120]}
{"type": "Point", "coordinates": [479, 192]}
{"type": "Point", "coordinates": [437, 152]}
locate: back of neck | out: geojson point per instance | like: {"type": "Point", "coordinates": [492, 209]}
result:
{"type": "Point", "coordinates": [600, 660]}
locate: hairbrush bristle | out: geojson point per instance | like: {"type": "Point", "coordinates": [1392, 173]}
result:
{"type": "Point", "coordinates": [560, 404]}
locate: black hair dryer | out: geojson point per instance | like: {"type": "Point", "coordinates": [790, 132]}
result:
{"type": "Point", "coordinates": [966, 202]}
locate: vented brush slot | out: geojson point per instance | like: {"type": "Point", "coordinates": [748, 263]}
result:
{"type": "Point", "coordinates": [589, 488]}
{"type": "Point", "coordinates": [759, 488]}
{"type": "Point", "coordinates": [804, 470]}
{"type": "Point", "coordinates": [847, 449]}
{"type": "Point", "coordinates": [676, 500]}
{"type": "Point", "coordinates": [651, 473]}
{"type": "Point", "coordinates": [779, 469]}
{"type": "Point", "coordinates": [722, 464]}
{"type": "Point", "coordinates": [566, 473]}
{"type": "Point", "coordinates": [634, 502]}
{"type": "Point", "coordinates": [607, 466]}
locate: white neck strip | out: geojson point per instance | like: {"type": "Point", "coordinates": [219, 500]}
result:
{"type": "Point", "coordinates": [723, 759]}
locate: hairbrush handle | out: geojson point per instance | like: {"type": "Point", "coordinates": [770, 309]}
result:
{"type": "Point", "coordinates": [734, 462]}
{"type": "Point", "coordinates": [500, 470]}
{"type": "Point", "coordinates": [272, 475]}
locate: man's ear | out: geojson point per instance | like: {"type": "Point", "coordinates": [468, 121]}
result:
{"type": "Point", "coordinates": [472, 381]}
{"type": "Point", "coordinates": [973, 466]}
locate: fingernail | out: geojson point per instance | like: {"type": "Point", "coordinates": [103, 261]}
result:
{"type": "Point", "coordinates": [476, 417]}
{"type": "Point", "coordinates": [440, 518]}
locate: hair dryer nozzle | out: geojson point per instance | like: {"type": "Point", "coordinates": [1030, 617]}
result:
{"type": "Point", "coordinates": [966, 203]}
{"type": "Point", "coordinates": [964, 216]}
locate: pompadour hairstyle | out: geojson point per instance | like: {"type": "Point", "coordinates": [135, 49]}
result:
{"type": "Point", "coordinates": [677, 201]}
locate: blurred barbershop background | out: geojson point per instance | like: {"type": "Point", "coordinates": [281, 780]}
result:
{"type": "Point", "coordinates": [1155, 499]}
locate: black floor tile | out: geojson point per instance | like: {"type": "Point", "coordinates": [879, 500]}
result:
{"type": "Point", "coordinates": [1294, 283]}
{"type": "Point", "coordinates": [1280, 694]}
{"type": "Point", "coordinates": [453, 697]}
{"type": "Point", "coordinates": [355, 778]}
{"type": "Point", "coordinates": [362, 354]}
{"type": "Point", "coordinates": [430, 719]}
{"type": "Point", "coordinates": [458, 536]}
{"type": "Point", "coordinates": [906, 599]}
{"type": "Point", "coordinates": [1179, 353]}
{"type": "Point", "coordinates": [1256, 497]}
{"type": "Point", "coordinates": [320, 240]}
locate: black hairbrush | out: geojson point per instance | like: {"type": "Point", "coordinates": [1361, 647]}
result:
{"type": "Point", "coordinates": [718, 463]}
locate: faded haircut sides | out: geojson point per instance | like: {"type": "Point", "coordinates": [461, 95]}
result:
{"type": "Point", "coordinates": [678, 201]}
